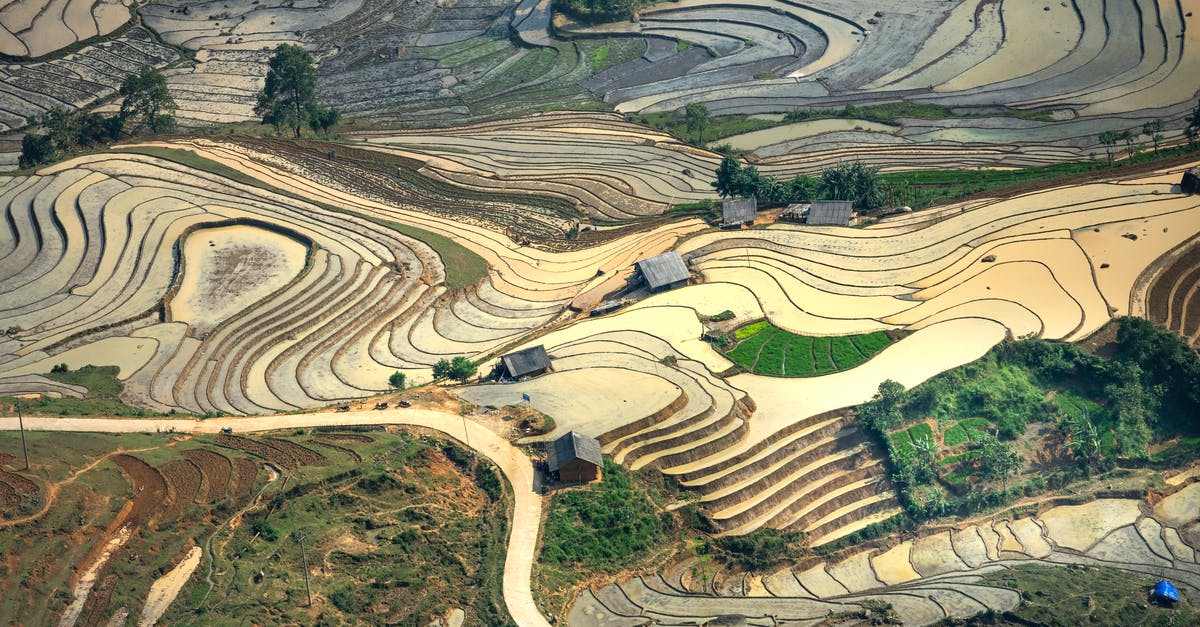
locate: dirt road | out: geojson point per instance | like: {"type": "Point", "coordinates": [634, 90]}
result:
{"type": "Point", "coordinates": [515, 465]}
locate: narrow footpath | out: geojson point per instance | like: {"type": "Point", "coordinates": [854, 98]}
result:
{"type": "Point", "coordinates": [516, 466]}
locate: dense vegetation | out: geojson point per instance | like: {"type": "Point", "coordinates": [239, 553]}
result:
{"type": "Point", "coordinates": [1138, 407]}
{"type": "Point", "coordinates": [763, 348]}
{"type": "Point", "coordinates": [844, 181]}
{"type": "Point", "coordinates": [608, 527]}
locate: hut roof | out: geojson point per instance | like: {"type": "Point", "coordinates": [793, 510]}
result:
{"type": "Point", "coordinates": [523, 362]}
{"type": "Point", "coordinates": [571, 447]}
{"type": "Point", "coordinates": [830, 212]}
{"type": "Point", "coordinates": [739, 211]}
{"type": "Point", "coordinates": [1163, 590]}
{"type": "Point", "coordinates": [663, 270]}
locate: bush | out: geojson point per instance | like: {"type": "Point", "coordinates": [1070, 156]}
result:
{"type": "Point", "coordinates": [396, 380]}
{"type": "Point", "coordinates": [36, 149]}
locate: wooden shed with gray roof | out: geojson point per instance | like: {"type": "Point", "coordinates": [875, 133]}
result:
{"type": "Point", "coordinates": [529, 362]}
{"type": "Point", "coordinates": [575, 458]}
{"type": "Point", "coordinates": [832, 212]}
{"type": "Point", "coordinates": [738, 212]}
{"type": "Point", "coordinates": [663, 272]}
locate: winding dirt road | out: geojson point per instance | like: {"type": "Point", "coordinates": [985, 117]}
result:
{"type": "Point", "coordinates": [515, 465]}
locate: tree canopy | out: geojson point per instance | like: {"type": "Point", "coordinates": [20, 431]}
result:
{"type": "Point", "coordinates": [289, 98]}
{"type": "Point", "coordinates": [147, 101]}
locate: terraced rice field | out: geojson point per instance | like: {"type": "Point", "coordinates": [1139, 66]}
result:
{"type": "Point", "coordinates": [368, 300]}
{"type": "Point", "coordinates": [934, 577]}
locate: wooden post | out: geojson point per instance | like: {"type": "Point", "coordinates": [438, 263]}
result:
{"type": "Point", "coordinates": [21, 425]}
{"type": "Point", "coordinates": [304, 556]}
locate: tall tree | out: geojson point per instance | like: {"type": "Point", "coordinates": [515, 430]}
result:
{"type": "Point", "coordinates": [1109, 139]}
{"type": "Point", "coordinates": [147, 100]}
{"type": "Point", "coordinates": [696, 117]}
{"type": "Point", "coordinates": [727, 177]}
{"type": "Point", "coordinates": [1153, 129]}
{"type": "Point", "coordinates": [289, 98]}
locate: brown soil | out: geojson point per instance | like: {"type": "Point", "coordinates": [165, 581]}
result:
{"type": "Point", "coordinates": [276, 456]}
{"type": "Point", "coordinates": [216, 469]}
{"type": "Point", "coordinates": [183, 481]}
{"type": "Point", "coordinates": [98, 601]}
{"type": "Point", "coordinates": [8, 497]}
{"type": "Point", "coordinates": [149, 487]}
{"type": "Point", "coordinates": [247, 474]}
{"type": "Point", "coordinates": [19, 484]}
{"type": "Point", "coordinates": [1167, 297]}
{"type": "Point", "coordinates": [304, 455]}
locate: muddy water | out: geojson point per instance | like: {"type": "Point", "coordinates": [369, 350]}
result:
{"type": "Point", "coordinates": [228, 269]}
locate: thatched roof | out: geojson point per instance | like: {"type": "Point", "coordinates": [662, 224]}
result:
{"type": "Point", "coordinates": [523, 362]}
{"type": "Point", "coordinates": [662, 270]}
{"type": "Point", "coordinates": [571, 447]}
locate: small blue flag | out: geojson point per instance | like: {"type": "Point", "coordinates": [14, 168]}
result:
{"type": "Point", "coordinates": [525, 397]}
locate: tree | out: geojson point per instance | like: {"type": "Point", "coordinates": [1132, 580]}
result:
{"type": "Point", "coordinates": [397, 380]}
{"type": "Point", "coordinates": [727, 177]}
{"type": "Point", "coordinates": [996, 460]}
{"type": "Point", "coordinates": [462, 369]}
{"type": "Point", "coordinates": [1153, 129]}
{"type": "Point", "coordinates": [853, 181]}
{"type": "Point", "coordinates": [36, 149]}
{"type": "Point", "coordinates": [324, 119]}
{"type": "Point", "coordinates": [1109, 139]}
{"type": "Point", "coordinates": [1127, 136]}
{"type": "Point", "coordinates": [459, 368]}
{"type": "Point", "coordinates": [1084, 440]}
{"type": "Point", "coordinates": [289, 98]}
{"type": "Point", "coordinates": [147, 100]}
{"type": "Point", "coordinates": [696, 116]}
{"type": "Point", "coordinates": [1193, 126]}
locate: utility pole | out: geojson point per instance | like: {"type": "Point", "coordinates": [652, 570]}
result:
{"type": "Point", "coordinates": [21, 425]}
{"type": "Point", "coordinates": [304, 556]}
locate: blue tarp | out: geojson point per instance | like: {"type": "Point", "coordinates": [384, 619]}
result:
{"type": "Point", "coordinates": [1164, 591]}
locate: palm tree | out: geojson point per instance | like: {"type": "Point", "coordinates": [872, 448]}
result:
{"type": "Point", "coordinates": [1153, 129]}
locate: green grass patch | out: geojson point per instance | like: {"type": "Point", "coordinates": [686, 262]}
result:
{"type": "Point", "coordinates": [463, 267]}
{"type": "Point", "coordinates": [750, 329]}
{"type": "Point", "coordinates": [799, 357]}
{"type": "Point", "coordinates": [822, 359]}
{"type": "Point", "coordinates": [921, 431]}
{"type": "Point", "coordinates": [961, 457]}
{"type": "Point", "coordinates": [955, 436]}
{"type": "Point", "coordinates": [598, 57]}
{"type": "Point", "coordinates": [1085, 595]}
{"type": "Point", "coordinates": [770, 358]}
{"type": "Point", "coordinates": [845, 354]}
{"type": "Point", "coordinates": [765, 349]}
{"type": "Point", "coordinates": [745, 353]}
{"type": "Point", "coordinates": [904, 444]}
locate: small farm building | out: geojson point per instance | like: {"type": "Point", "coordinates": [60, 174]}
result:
{"type": "Point", "coordinates": [575, 458]}
{"type": "Point", "coordinates": [837, 212]}
{"type": "Point", "coordinates": [529, 362]}
{"type": "Point", "coordinates": [738, 212]}
{"type": "Point", "coordinates": [1191, 182]}
{"type": "Point", "coordinates": [663, 272]}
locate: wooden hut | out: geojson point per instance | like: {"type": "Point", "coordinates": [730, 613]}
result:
{"type": "Point", "coordinates": [830, 212]}
{"type": "Point", "coordinates": [575, 458]}
{"type": "Point", "coordinates": [529, 362]}
{"type": "Point", "coordinates": [738, 212]}
{"type": "Point", "coordinates": [663, 272]}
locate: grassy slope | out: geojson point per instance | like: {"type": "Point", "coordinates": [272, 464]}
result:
{"type": "Point", "coordinates": [1084, 595]}
{"type": "Point", "coordinates": [463, 267]}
